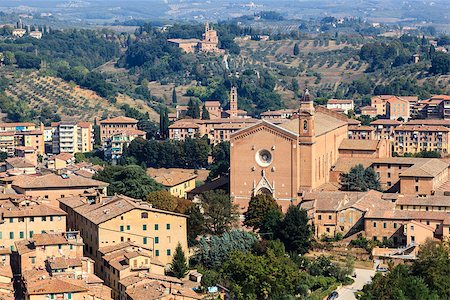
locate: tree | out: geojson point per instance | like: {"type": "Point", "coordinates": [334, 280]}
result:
{"type": "Point", "coordinates": [220, 213]}
{"type": "Point", "coordinates": [221, 160]}
{"type": "Point", "coordinates": [163, 199]}
{"type": "Point", "coordinates": [131, 181]}
{"type": "Point", "coordinates": [205, 113]}
{"type": "Point", "coordinates": [360, 179]}
{"type": "Point", "coordinates": [270, 224]}
{"type": "Point", "coordinates": [193, 110]}
{"type": "Point", "coordinates": [296, 49]}
{"type": "Point", "coordinates": [174, 96]}
{"type": "Point", "coordinates": [163, 123]}
{"type": "Point", "coordinates": [195, 224]}
{"type": "Point", "coordinates": [215, 250]}
{"type": "Point", "coordinates": [258, 209]}
{"type": "Point", "coordinates": [440, 63]}
{"type": "Point", "coordinates": [295, 86]}
{"type": "Point", "coordinates": [294, 230]}
{"type": "Point", "coordinates": [179, 267]}
{"type": "Point", "coordinates": [3, 156]}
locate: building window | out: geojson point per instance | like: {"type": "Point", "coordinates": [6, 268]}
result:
{"type": "Point", "coordinates": [328, 229]}
{"type": "Point", "coordinates": [156, 252]}
{"type": "Point", "coordinates": [329, 217]}
{"type": "Point", "coordinates": [401, 207]}
{"type": "Point", "coordinates": [144, 227]}
{"type": "Point", "coordinates": [168, 251]}
{"type": "Point", "coordinates": [128, 227]}
{"type": "Point", "coordinates": [144, 215]}
{"type": "Point", "coordinates": [156, 240]}
{"type": "Point", "coordinates": [145, 241]}
{"type": "Point", "coordinates": [374, 224]}
{"type": "Point", "coordinates": [395, 225]}
{"type": "Point", "coordinates": [33, 259]}
{"type": "Point", "coordinates": [319, 217]}
{"type": "Point", "coordinates": [21, 234]}
{"type": "Point", "coordinates": [43, 219]}
{"type": "Point", "coordinates": [11, 220]}
{"type": "Point", "coordinates": [384, 225]}
{"type": "Point", "coordinates": [156, 226]}
{"type": "Point", "coordinates": [31, 219]}
{"type": "Point", "coordinates": [168, 226]}
{"type": "Point", "coordinates": [417, 189]}
{"type": "Point", "coordinates": [11, 235]}
{"type": "Point", "coordinates": [121, 227]}
{"type": "Point", "coordinates": [389, 175]}
{"type": "Point", "coordinates": [51, 218]}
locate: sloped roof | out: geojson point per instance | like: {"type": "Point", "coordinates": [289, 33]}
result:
{"type": "Point", "coordinates": [323, 123]}
{"type": "Point", "coordinates": [427, 168]}
{"type": "Point", "coordinates": [52, 180]}
{"type": "Point", "coordinates": [121, 119]}
{"type": "Point", "coordinates": [362, 145]}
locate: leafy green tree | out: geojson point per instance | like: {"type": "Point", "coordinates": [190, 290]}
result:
{"type": "Point", "coordinates": [195, 224]}
{"type": "Point", "coordinates": [221, 160]}
{"type": "Point", "coordinates": [179, 267]}
{"type": "Point", "coordinates": [164, 123]}
{"type": "Point", "coordinates": [258, 209]}
{"type": "Point", "coordinates": [174, 96]}
{"type": "Point", "coordinates": [131, 181]}
{"type": "Point", "coordinates": [193, 110]}
{"type": "Point", "coordinates": [294, 231]}
{"type": "Point", "coordinates": [3, 156]}
{"type": "Point", "coordinates": [215, 250]}
{"type": "Point", "coordinates": [220, 213]}
{"type": "Point", "coordinates": [205, 113]}
{"type": "Point", "coordinates": [270, 224]}
{"type": "Point", "coordinates": [360, 179]}
{"type": "Point", "coordinates": [163, 199]}
{"type": "Point", "coordinates": [440, 63]}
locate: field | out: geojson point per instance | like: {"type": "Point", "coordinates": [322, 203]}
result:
{"type": "Point", "coordinates": [68, 100]}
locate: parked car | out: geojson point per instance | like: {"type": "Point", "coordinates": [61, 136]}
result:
{"type": "Point", "coordinates": [382, 269]}
{"type": "Point", "coordinates": [333, 295]}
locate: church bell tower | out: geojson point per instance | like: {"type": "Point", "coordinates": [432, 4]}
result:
{"type": "Point", "coordinates": [306, 118]}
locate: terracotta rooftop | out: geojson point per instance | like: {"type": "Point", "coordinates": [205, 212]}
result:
{"type": "Point", "coordinates": [110, 208]}
{"type": "Point", "coordinates": [428, 122]}
{"type": "Point", "coordinates": [121, 120]}
{"type": "Point", "coordinates": [54, 286]}
{"type": "Point", "coordinates": [323, 123]}
{"type": "Point", "coordinates": [408, 215]}
{"type": "Point", "coordinates": [84, 124]}
{"type": "Point", "coordinates": [434, 200]}
{"type": "Point", "coordinates": [19, 163]}
{"type": "Point", "coordinates": [278, 112]}
{"type": "Point", "coordinates": [170, 177]}
{"type": "Point", "coordinates": [340, 101]}
{"type": "Point", "coordinates": [127, 281]}
{"type": "Point", "coordinates": [382, 97]}
{"type": "Point", "coordinates": [62, 156]}
{"type": "Point", "coordinates": [360, 128]}
{"type": "Point", "coordinates": [46, 239]}
{"type": "Point", "coordinates": [184, 41]}
{"type": "Point", "coordinates": [212, 103]}
{"type": "Point", "coordinates": [130, 131]}
{"type": "Point", "coordinates": [56, 263]}
{"type": "Point", "coordinates": [25, 124]}
{"type": "Point", "coordinates": [426, 168]}
{"type": "Point", "coordinates": [353, 122]}
{"type": "Point", "coordinates": [52, 180]}
{"type": "Point", "coordinates": [385, 122]}
{"type": "Point", "coordinates": [368, 108]}
{"type": "Point", "coordinates": [9, 210]}
{"type": "Point", "coordinates": [361, 145]}
{"type": "Point", "coordinates": [183, 124]}
{"type": "Point", "coordinates": [427, 128]}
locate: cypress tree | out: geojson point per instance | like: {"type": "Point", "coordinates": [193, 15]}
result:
{"type": "Point", "coordinates": [179, 265]}
{"type": "Point", "coordinates": [174, 96]}
{"type": "Point", "coordinates": [296, 49]}
{"type": "Point", "coordinates": [205, 113]}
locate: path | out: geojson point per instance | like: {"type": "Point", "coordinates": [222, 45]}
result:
{"type": "Point", "coordinates": [363, 276]}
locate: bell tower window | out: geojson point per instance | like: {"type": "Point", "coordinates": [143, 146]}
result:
{"type": "Point", "coordinates": [305, 125]}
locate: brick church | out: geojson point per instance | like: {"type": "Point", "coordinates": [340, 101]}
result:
{"type": "Point", "coordinates": [287, 159]}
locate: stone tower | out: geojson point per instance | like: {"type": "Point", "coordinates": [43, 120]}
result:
{"type": "Point", "coordinates": [233, 102]}
{"type": "Point", "coordinates": [306, 118]}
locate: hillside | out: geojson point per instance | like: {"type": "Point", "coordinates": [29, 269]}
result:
{"type": "Point", "coordinates": [68, 100]}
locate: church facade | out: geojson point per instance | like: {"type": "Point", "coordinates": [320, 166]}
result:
{"type": "Point", "coordinates": [288, 159]}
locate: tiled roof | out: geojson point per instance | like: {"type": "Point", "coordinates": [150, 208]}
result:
{"type": "Point", "coordinates": [432, 200]}
{"type": "Point", "coordinates": [112, 207]}
{"type": "Point", "coordinates": [278, 112]}
{"type": "Point", "coordinates": [54, 286]}
{"type": "Point", "coordinates": [361, 145]}
{"type": "Point", "coordinates": [428, 128]}
{"type": "Point", "coordinates": [127, 281]}
{"type": "Point", "coordinates": [52, 180]}
{"type": "Point", "coordinates": [408, 215]}
{"type": "Point", "coordinates": [426, 168]}
{"type": "Point", "coordinates": [425, 122]}
{"type": "Point", "coordinates": [17, 124]}
{"type": "Point", "coordinates": [344, 164]}
{"type": "Point", "coordinates": [170, 178]}
{"type": "Point", "coordinates": [183, 124]}
{"type": "Point", "coordinates": [62, 156]}
{"type": "Point", "coordinates": [360, 128]}
{"type": "Point", "coordinates": [353, 122]}
{"type": "Point", "coordinates": [130, 131]}
{"type": "Point", "coordinates": [84, 124]}
{"type": "Point", "coordinates": [340, 101]}
{"type": "Point", "coordinates": [63, 262]}
{"type": "Point", "coordinates": [121, 119]}
{"type": "Point", "coordinates": [36, 210]}
{"type": "Point", "coordinates": [323, 123]}
{"type": "Point", "coordinates": [368, 108]}
{"type": "Point", "coordinates": [46, 239]}
{"type": "Point", "coordinates": [212, 103]}
{"type": "Point", "coordinates": [385, 122]}
{"type": "Point", "coordinates": [19, 163]}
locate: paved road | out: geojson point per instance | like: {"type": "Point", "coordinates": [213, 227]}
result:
{"type": "Point", "coordinates": [363, 276]}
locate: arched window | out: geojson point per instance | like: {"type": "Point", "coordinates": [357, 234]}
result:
{"type": "Point", "coordinates": [144, 215]}
{"type": "Point", "coordinates": [305, 125]}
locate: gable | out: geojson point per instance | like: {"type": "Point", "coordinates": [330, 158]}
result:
{"type": "Point", "coordinates": [264, 126]}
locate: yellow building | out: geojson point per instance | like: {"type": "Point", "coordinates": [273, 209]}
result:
{"type": "Point", "coordinates": [21, 218]}
{"type": "Point", "coordinates": [113, 220]}
{"type": "Point", "coordinates": [6, 275]}
{"type": "Point", "coordinates": [177, 181]}
{"type": "Point", "coordinates": [14, 135]}
{"type": "Point", "coordinates": [109, 127]}
{"type": "Point", "coordinates": [60, 161]}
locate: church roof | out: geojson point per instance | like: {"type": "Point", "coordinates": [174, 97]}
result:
{"type": "Point", "coordinates": [323, 123]}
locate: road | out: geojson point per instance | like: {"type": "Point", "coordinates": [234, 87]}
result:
{"type": "Point", "coordinates": [363, 276]}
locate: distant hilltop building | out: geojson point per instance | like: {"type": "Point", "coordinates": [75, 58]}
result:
{"type": "Point", "coordinates": [209, 42]}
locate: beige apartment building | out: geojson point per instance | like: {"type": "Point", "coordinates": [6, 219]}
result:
{"type": "Point", "coordinates": [13, 135]}
{"type": "Point", "coordinates": [177, 181]}
{"type": "Point", "coordinates": [361, 132]}
{"type": "Point", "coordinates": [384, 128]}
{"type": "Point", "coordinates": [50, 187]}
{"type": "Point", "coordinates": [113, 220]}
{"type": "Point", "coordinates": [115, 144]}
{"type": "Point", "coordinates": [72, 137]}
{"type": "Point", "coordinates": [111, 126]}
{"type": "Point", "coordinates": [21, 218]}
{"type": "Point", "coordinates": [341, 105]}
{"type": "Point", "coordinates": [416, 138]}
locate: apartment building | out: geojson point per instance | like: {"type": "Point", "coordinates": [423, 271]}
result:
{"type": "Point", "coordinates": [278, 114]}
{"type": "Point", "coordinates": [14, 135]}
{"type": "Point", "coordinates": [416, 138]}
{"type": "Point", "coordinates": [114, 145]}
{"type": "Point", "coordinates": [60, 161]}
{"type": "Point", "coordinates": [50, 187]}
{"type": "Point", "coordinates": [384, 128]}
{"type": "Point", "coordinates": [369, 111]}
{"type": "Point", "coordinates": [52, 266]}
{"type": "Point", "coordinates": [361, 132]}
{"type": "Point", "coordinates": [115, 125]}
{"type": "Point", "coordinates": [6, 275]}
{"type": "Point", "coordinates": [21, 218]}
{"type": "Point", "coordinates": [379, 103]}
{"type": "Point", "coordinates": [124, 260]}
{"type": "Point", "coordinates": [72, 137]}
{"type": "Point", "coordinates": [436, 203]}
{"type": "Point", "coordinates": [343, 105]}
{"type": "Point", "coordinates": [113, 220]}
